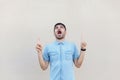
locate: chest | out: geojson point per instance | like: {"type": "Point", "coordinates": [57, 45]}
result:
{"type": "Point", "coordinates": [61, 53]}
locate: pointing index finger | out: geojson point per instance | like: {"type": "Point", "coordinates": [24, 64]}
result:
{"type": "Point", "coordinates": [38, 41]}
{"type": "Point", "coordinates": [82, 37]}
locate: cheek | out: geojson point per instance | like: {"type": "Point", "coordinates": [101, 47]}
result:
{"type": "Point", "coordinates": [55, 31]}
{"type": "Point", "coordinates": [63, 31]}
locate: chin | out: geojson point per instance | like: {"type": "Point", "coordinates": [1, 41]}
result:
{"type": "Point", "coordinates": [59, 38]}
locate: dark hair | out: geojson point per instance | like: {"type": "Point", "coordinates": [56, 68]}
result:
{"type": "Point", "coordinates": [59, 24]}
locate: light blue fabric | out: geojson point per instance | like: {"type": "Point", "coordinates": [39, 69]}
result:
{"type": "Point", "coordinates": [61, 55]}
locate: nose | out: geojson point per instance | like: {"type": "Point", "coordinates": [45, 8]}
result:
{"type": "Point", "coordinates": [59, 28]}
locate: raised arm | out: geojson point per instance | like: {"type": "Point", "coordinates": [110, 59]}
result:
{"type": "Point", "coordinates": [78, 62]}
{"type": "Point", "coordinates": [43, 64]}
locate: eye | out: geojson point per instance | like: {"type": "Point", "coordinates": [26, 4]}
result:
{"type": "Point", "coordinates": [56, 27]}
{"type": "Point", "coordinates": [61, 26]}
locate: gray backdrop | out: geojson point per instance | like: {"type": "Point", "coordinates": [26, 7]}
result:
{"type": "Point", "coordinates": [22, 22]}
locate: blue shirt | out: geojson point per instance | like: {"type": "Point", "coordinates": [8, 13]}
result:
{"type": "Point", "coordinates": [61, 55]}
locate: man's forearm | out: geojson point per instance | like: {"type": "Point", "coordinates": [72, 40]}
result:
{"type": "Point", "coordinates": [42, 63]}
{"type": "Point", "coordinates": [81, 58]}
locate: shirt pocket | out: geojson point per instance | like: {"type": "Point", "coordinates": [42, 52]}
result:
{"type": "Point", "coordinates": [68, 55]}
{"type": "Point", "coordinates": [53, 56]}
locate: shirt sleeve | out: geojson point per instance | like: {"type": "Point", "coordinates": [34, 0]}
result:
{"type": "Point", "coordinates": [46, 55]}
{"type": "Point", "coordinates": [76, 53]}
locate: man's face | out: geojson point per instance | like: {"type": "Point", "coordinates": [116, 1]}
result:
{"type": "Point", "coordinates": [59, 32]}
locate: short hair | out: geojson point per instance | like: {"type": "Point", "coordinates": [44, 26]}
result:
{"type": "Point", "coordinates": [59, 24]}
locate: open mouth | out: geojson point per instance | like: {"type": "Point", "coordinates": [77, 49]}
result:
{"type": "Point", "coordinates": [59, 32]}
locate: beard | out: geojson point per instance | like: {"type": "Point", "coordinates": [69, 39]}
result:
{"type": "Point", "coordinates": [59, 37]}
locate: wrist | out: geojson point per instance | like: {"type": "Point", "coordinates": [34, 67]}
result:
{"type": "Point", "coordinates": [83, 49]}
{"type": "Point", "coordinates": [39, 53]}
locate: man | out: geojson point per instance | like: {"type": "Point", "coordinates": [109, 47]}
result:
{"type": "Point", "coordinates": [61, 55]}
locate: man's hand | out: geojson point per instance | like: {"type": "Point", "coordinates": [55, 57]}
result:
{"type": "Point", "coordinates": [39, 47]}
{"type": "Point", "coordinates": [83, 45]}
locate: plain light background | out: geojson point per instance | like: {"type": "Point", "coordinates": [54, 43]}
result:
{"type": "Point", "coordinates": [22, 22]}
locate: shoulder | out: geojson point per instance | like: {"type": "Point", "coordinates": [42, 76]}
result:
{"type": "Point", "coordinates": [70, 43]}
{"type": "Point", "coordinates": [49, 45]}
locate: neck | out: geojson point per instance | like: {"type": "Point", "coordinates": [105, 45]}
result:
{"type": "Point", "coordinates": [60, 40]}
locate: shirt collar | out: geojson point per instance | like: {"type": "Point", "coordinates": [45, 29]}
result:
{"type": "Point", "coordinates": [58, 42]}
